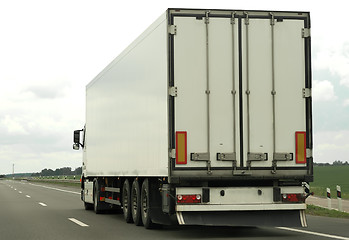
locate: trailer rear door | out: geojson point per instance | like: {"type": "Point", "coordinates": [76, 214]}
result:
{"type": "Point", "coordinates": [242, 89]}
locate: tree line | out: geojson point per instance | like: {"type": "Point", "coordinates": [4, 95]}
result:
{"type": "Point", "coordinates": [58, 172]}
{"type": "Point", "coordinates": [335, 163]}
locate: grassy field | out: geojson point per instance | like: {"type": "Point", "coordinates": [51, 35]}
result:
{"type": "Point", "coordinates": [319, 211]}
{"type": "Point", "coordinates": [71, 177]}
{"type": "Point", "coordinates": [330, 177]}
{"type": "Point", "coordinates": [65, 183]}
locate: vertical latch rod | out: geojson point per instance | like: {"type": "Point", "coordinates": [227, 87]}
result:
{"type": "Point", "coordinates": [209, 172]}
{"type": "Point", "coordinates": [207, 20]}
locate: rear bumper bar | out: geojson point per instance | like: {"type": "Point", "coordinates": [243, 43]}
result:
{"type": "Point", "coordinates": [240, 207]}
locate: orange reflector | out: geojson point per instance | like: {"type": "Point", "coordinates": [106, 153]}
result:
{"type": "Point", "coordinates": [301, 147]}
{"type": "Point", "coordinates": [181, 147]}
{"type": "Point", "coordinates": [101, 199]}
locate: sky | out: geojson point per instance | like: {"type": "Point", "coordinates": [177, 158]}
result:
{"type": "Point", "coordinates": [51, 49]}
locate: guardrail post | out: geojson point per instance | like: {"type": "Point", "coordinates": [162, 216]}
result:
{"type": "Point", "coordinates": [329, 198]}
{"type": "Point", "coordinates": [339, 197]}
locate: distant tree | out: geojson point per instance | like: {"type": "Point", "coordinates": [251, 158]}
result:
{"type": "Point", "coordinates": [321, 164]}
{"type": "Point", "coordinates": [78, 171]}
{"type": "Point", "coordinates": [35, 174]}
{"type": "Point", "coordinates": [335, 163]}
{"type": "Point", "coordinates": [47, 172]}
{"type": "Point", "coordinates": [338, 163]}
{"type": "Point", "coordinates": [65, 171]}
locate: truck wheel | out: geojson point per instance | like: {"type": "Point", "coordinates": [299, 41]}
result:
{"type": "Point", "coordinates": [136, 203]}
{"type": "Point", "coordinates": [96, 202]}
{"type": "Point", "coordinates": [126, 201]}
{"type": "Point", "coordinates": [145, 208]}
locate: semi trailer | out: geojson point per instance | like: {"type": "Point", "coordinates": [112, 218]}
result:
{"type": "Point", "coordinates": [205, 119]}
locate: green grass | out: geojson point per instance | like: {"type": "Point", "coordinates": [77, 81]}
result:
{"type": "Point", "coordinates": [71, 177]}
{"type": "Point", "coordinates": [319, 211]}
{"type": "Point", "coordinates": [65, 184]}
{"type": "Point", "coordinates": [68, 182]}
{"type": "Point", "coordinates": [330, 176]}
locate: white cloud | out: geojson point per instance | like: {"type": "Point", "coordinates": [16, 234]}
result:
{"type": "Point", "coordinates": [323, 91]}
{"type": "Point", "coordinates": [330, 146]}
{"type": "Point", "coordinates": [346, 103]}
{"type": "Point", "coordinates": [335, 58]}
{"type": "Point", "coordinates": [13, 125]}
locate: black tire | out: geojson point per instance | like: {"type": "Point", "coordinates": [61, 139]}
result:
{"type": "Point", "coordinates": [96, 194]}
{"type": "Point", "coordinates": [136, 203]}
{"type": "Point", "coordinates": [126, 201]}
{"type": "Point", "coordinates": [145, 205]}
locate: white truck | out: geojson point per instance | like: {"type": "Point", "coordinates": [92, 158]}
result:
{"type": "Point", "coordinates": [205, 119]}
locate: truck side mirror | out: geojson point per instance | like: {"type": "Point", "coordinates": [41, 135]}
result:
{"type": "Point", "coordinates": [77, 136]}
{"type": "Point", "coordinates": [76, 139]}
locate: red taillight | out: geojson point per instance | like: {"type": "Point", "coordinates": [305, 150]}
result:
{"type": "Point", "coordinates": [293, 197]}
{"type": "Point", "coordinates": [194, 198]}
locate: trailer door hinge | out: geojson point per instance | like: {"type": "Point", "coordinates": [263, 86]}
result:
{"type": "Point", "coordinates": [305, 32]}
{"type": "Point", "coordinates": [172, 153]}
{"type": "Point", "coordinates": [309, 153]}
{"type": "Point", "coordinates": [200, 156]}
{"type": "Point", "coordinates": [172, 29]}
{"type": "Point", "coordinates": [283, 156]}
{"type": "Point", "coordinates": [257, 157]}
{"type": "Point", "coordinates": [172, 91]}
{"type": "Point", "coordinates": [226, 156]}
{"type": "Point", "coordinates": [247, 21]}
{"type": "Point", "coordinates": [207, 19]}
{"type": "Point", "coordinates": [306, 92]}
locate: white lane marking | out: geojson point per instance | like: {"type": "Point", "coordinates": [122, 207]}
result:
{"type": "Point", "coordinates": [57, 189]}
{"type": "Point", "coordinates": [19, 192]}
{"type": "Point", "coordinates": [28, 196]}
{"type": "Point", "coordinates": [78, 222]}
{"type": "Point", "coordinates": [15, 189]}
{"type": "Point", "coordinates": [43, 204]}
{"type": "Point", "coordinates": [314, 233]}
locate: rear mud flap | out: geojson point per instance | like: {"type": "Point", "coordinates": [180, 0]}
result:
{"type": "Point", "coordinates": [285, 218]}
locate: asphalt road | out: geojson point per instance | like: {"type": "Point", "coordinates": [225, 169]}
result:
{"type": "Point", "coordinates": [30, 211]}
